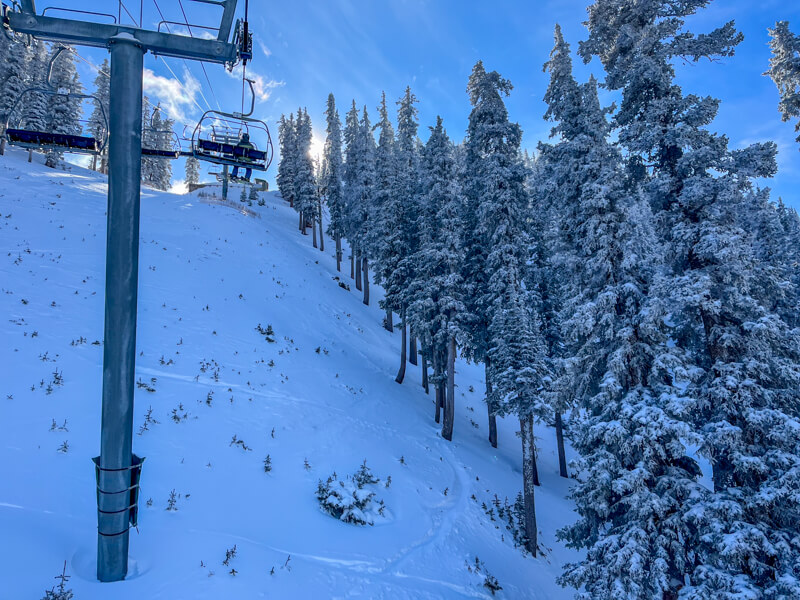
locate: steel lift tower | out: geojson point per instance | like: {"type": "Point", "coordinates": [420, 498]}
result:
{"type": "Point", "coordinates": [117, 467]}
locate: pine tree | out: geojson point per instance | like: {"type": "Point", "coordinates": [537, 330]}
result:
{"type": "Point", "coordinates": [742, 393]}
{"type": "Point", "coordinates": [286, 167]}
{"type": "Point", "coordinates": [98, 120]}
{"type": "Point", "coordinates": [35, 115]}
{"type": "Point", "coordinates": [331, 183]}
{"type": "Point", "coordinates": [784, 69]}
{"type": "Point", "coordinates": [515, 346]}
{"type": "Point", "coordinates": [304, 186]}
{"type": "Point", "coordinates": [436, 294]}
{"type": "Point", "coordinates": [192, 171]}
{"type": "Point", "coordinates": [384, 231]}
{"type": "Point", "coordinates": [350, 180]}
{"type": "Point", "coordinates": [403, 212]}
{"type": "Point", "coordinates": [13, 83]}
{"type": "Point", "coordinates": [63, 111]}
{"type": "Point", "coordinates": [474, 244]}
{"type": "Point", "coordinates": [630, 489]}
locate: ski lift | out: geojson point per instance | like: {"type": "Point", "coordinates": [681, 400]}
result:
{"type": "Point", "coordinates": [48, 140]}
{"type": "Point", "coordinates": [171, 153]}
{"type": "Point", "coordinates": [218, 138]}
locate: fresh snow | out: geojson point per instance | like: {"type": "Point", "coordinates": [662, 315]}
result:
{"type": "Point", "coordinates": [208, 277]}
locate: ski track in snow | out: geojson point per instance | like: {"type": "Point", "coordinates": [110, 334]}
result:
{"type": "Point", "coordinates": [205, 267]}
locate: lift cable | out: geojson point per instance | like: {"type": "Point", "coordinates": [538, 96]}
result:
{"type": "Point", "coordinates": [158, 8]}
{"type": "Point", "coordinates": [202, 63]}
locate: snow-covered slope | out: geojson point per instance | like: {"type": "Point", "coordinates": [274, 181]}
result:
{"type": "Point", "coordinates": [320, 398]}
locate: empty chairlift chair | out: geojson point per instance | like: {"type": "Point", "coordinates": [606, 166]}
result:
{"type": "Point", "coordinates": [17, 134]}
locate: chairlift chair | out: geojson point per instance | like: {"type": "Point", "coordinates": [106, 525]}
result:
{"type": "Point", "coordinates": [171, 153]}
{"type": "Point", "coordinates": [17, 135]}
{"type": "Point", "coordinates": [216, 139]}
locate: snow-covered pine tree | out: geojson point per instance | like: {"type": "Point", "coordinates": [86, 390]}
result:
{"type": "Point", "coordinates": [404, 214]}
{"type": "Point", "coordinates": [604, 254]}
{"type": "Point", "coordinates": [474, 274]}
{"type": "Point", "coordinates": [286, 167]}
{"type": "Point", "coordinates": [743, 393]}
{"type": "Point", "coordinates": [436, 294]}
{"type": "Point", "coordinates": [364, 206]}
{"type": "Point", "coordinates": [384, 233]}
{"type": "Point", "coordinates": [15, 78]}
{"type": "Point", "coordinates": [350, 182]}
{"type": "Point", "coordinates": [161, 134]}
{"type": "Point", "coordinates": [515, 347]}
{"type": "Point", "coordinates": [98, 120]}
{"type": "Point", "coordinates": [305, 185]}
{"type": "Point", "coordinates": [784, 69]}
{"type": "Point", "coordinates": [192, 170]}
{"type": "Point", "coordinates": [64, 112]}
{"type": "Point", "coordinates": [332, 177]}
{"type": "Point", "coordinates": [35, 115]}
{"type": "Point", "coordinates": [149, 140]}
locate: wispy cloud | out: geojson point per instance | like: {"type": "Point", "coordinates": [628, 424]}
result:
{"type": "Point", "coordinates": [177, 97]}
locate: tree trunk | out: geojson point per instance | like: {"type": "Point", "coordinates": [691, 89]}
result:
{"type": "Point", "coordinates": [321, 237]}
{"type": "Point", "coordinates": [94, 162]}
{"type": "Point", "coordinates": [338, 253]}
{"type": "Point", "coordinates": [437, 388]}
{"type": "Point", "coordinates": [352, 276]}
{"type": "Point", "coordinates": [30, 156]}
{"type": "Point", "coordinates": [366, 281]}
{"type": "Point", "coordinates": [2, 146]}
{"type": "Point", "coordinates": [424, 355]}
{"type": "Point", "coordinates": [528, 484]}
{"type": "Point", "coordinates": [358, 272]}
{"type": "Point", "coordinates": [302, 224]}
{"type": "Point", "coordinates": [450, 399]}
{"type": "Point", "coordinates": [314, 232]}
{"type": "Point", "coordinates": [562, 458]}
{"type": "Point", "coordinates": [490, 406]}
{"type": "Point", "coordinates": [401, 374]}
{"type": "Point", "coordinates": [412, 348]}
{"type": "Point", "coordinates": [387, 320]}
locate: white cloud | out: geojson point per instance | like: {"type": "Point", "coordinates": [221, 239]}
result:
{"type": "Point", "coordinates": [175, 97]}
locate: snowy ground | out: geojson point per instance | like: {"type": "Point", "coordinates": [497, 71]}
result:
{"type": "Point", "coordinates": [208, 277]}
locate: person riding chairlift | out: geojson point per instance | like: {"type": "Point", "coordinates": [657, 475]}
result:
{"type": "Point", "coordinates": [244, 142]}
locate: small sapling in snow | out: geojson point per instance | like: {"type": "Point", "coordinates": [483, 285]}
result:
{"type": "Point", "coordinates": [60, 591]}
{"type": "Point", "coordinates": [172, 502]}
{"type": "Point", "coordinates": [267, 464]}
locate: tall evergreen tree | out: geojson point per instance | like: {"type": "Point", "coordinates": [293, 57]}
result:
{"type": "Point", "coordinates": [14, 81]}
{"type": "Point", "coordinates": [404, 213]}
{"type": "Point", "coordinates": [332, 177]}
{"type": "Point", "coordinates": [98, 120]}
{"type": "Point", "coordinates": [63, 111]}
{"type": "Point", "coordinates": [742, 394]}
{"type": "Point", "coordinates": [286, 168]}
{"type": "Point", "coordinates": [474, 272]}
{"type": "Point", "coordinates": [631, 483]}
{"type": "Point", "coordinates": [192, 170]}
{"type": "Point", "coordinates": [515, 347]}
{"type": "Point", "coordinates": [304, 186]}
{"type": "Point", "coordinates": [384, 232]}
{"type": "Point", "coordinates": [436, 294]}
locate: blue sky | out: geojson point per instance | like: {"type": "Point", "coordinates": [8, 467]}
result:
{"type": "Point", "coordinates": [358, 48]}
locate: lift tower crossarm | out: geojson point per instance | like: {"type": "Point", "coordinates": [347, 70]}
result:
{"type": "Point", "coordinates": [83, 33]}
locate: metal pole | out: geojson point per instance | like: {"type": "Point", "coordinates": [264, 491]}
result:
{"type": "Point", "coordinates": [122, 271]}
{"type": "Point", "coordinates": [224, 182]}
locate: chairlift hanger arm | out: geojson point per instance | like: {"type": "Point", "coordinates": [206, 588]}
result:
{"type": "Point", "coordinates": [99, 34]}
